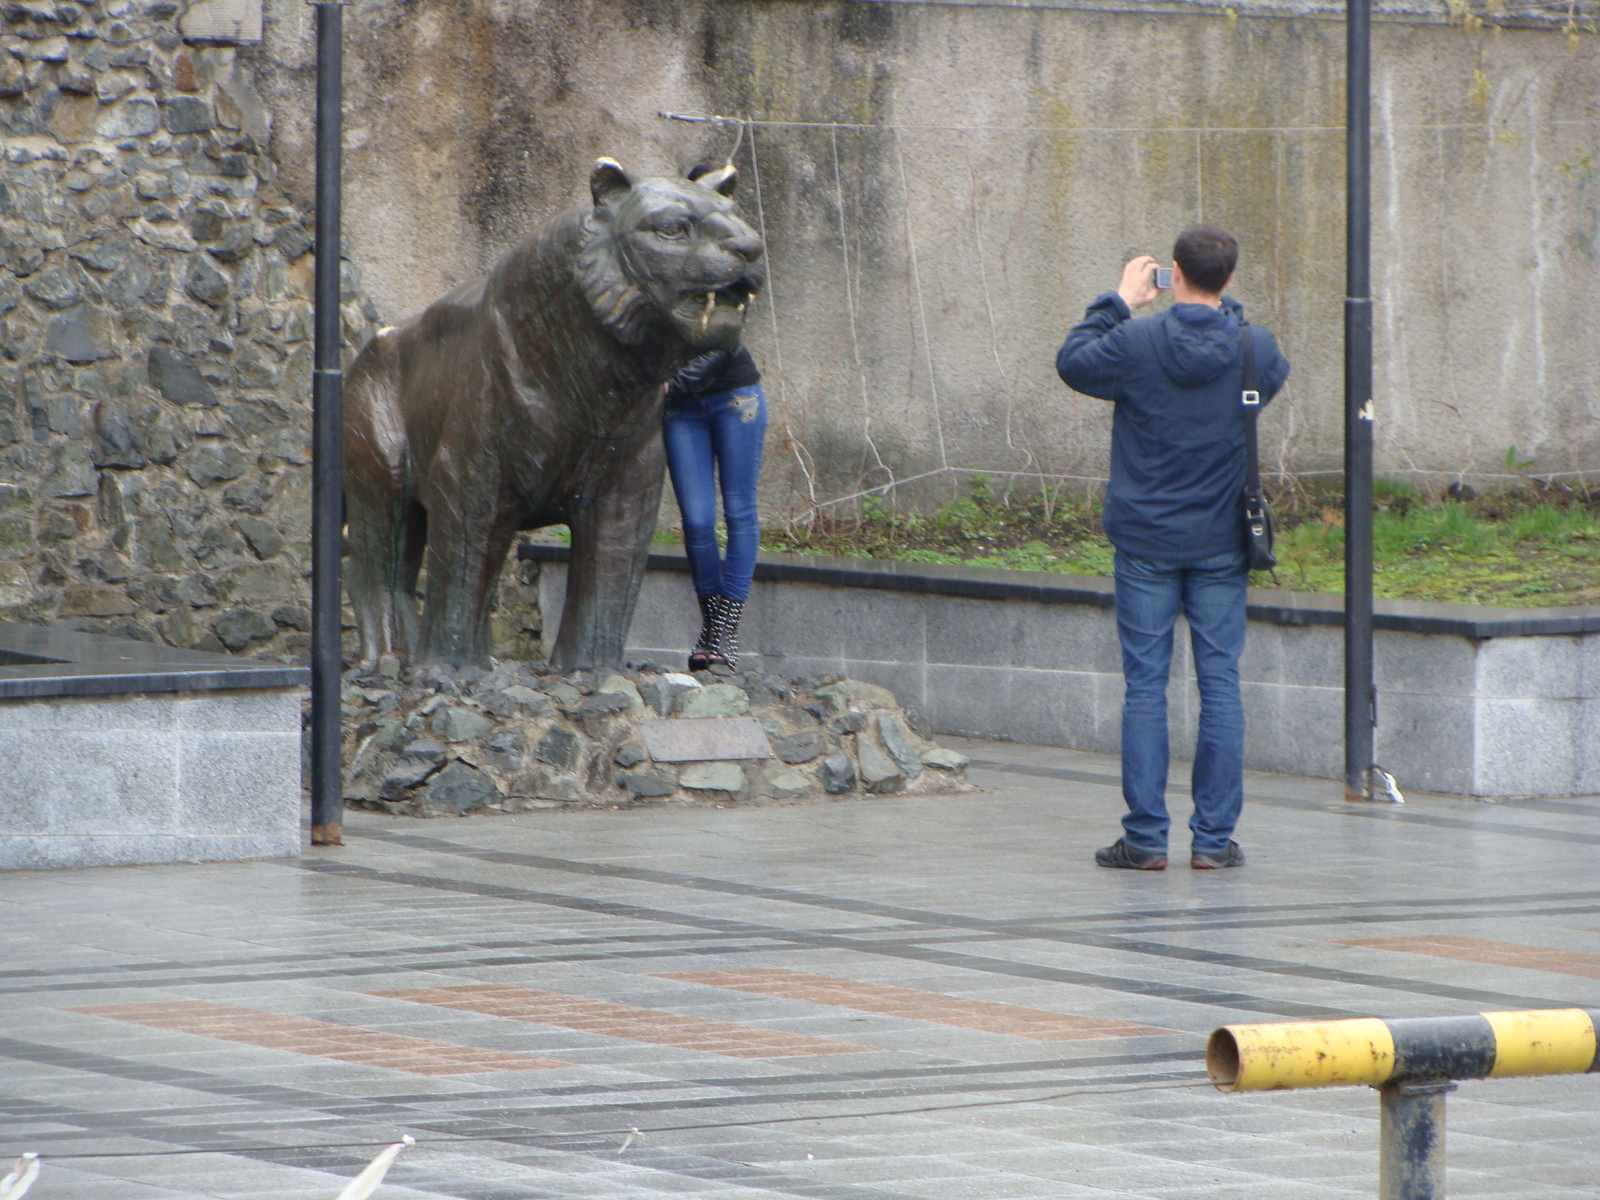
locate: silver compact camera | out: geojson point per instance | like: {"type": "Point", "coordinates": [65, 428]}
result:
{"type": "Point", "coordinates": [1163, 278]}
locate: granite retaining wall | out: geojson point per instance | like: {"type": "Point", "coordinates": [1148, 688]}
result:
{"type": "Point", "coordinates": [1471, 701]}
{"type": "Point", "coordinates": [115, 752]}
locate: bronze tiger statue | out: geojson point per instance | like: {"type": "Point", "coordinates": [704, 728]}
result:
{"type": "Point", "coordinates": [532, 397]}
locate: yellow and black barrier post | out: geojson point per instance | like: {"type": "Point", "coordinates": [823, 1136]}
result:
{"type": "Point", "coordinates": [1412, 1062]}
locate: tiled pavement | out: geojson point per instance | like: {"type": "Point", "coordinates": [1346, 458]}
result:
{"type": "Point", "coordinates": [893, 999]}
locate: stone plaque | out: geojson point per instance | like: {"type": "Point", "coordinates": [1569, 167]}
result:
{"type": "Point", "coordinates": [233, 21]}
{"type": "Point", "coordinates": [705, 739]}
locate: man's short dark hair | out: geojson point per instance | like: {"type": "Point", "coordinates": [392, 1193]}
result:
{"type": "Point", "coordinates": [1206, 256]}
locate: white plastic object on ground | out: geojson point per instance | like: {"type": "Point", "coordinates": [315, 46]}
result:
{"type": "Point", "coordinates": [15, 1185]}
{"type": "Point", "coordinates": [364, 1184]}
{"type": "Point", "coordinates": [1384, 786]}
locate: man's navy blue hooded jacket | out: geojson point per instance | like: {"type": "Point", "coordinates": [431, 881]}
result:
{"type": "Point", "coordinates": [1177, 438]}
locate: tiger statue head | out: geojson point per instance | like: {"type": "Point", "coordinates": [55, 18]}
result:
{"type": "Point", "coordinates": [668, 251]}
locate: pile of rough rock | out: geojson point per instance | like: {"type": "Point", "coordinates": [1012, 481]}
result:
{"type": "Point", "coordinates": [443, 742]}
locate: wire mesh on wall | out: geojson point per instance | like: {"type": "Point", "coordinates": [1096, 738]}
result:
{"type": "Point", "coordinates": [922, 276]}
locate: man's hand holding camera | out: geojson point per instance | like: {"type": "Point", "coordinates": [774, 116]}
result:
{"type": "Point", "coordinates": [1138, 287]}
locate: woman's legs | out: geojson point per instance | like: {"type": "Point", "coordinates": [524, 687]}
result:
{"type": "Point", "coordinates": [738, 430]}
{"type": "Point", "coordinates": [686, 433]}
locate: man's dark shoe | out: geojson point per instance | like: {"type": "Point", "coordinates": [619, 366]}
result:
{"type": "Point", "coordinates": [1120, 854]}
{"type": "Point", "coordinates": [1232, 856]}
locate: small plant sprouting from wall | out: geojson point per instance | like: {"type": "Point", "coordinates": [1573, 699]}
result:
{"type": "Point", "coordinates": [1581, 170]}
{"type": "Point", "coordinates": [1479, 92]}
{"type": "Point", "coordinates": [1581, 16]}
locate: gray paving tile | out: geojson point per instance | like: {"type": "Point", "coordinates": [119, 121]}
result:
{"type": "Point", "coordinates": [990, 898]}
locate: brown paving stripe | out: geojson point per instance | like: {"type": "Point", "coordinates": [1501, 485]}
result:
{"type": "Point", "coordinates": [1497, 954]}
{"type": "Point", "coordinates": [320, 1039]}
{"type": "Point", "coordinates": [914, 1004]}
{"type": "Point", "coordinates": [624, 1021]}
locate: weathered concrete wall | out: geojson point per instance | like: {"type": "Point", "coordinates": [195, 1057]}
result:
{"type": "Point", "coordinates": [944, 187]}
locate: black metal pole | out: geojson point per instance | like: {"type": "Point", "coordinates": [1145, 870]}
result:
{"type": "Point", "coordinates": [1359, 701]}
{"type": "Point", "coordinates": [327, 451]}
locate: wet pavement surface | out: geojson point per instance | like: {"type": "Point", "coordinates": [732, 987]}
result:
{"type": "Point", "coordinates": [921, 998]}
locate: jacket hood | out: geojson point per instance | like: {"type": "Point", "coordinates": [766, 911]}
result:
{"type": "Point", "coordinates": [1195, 343]}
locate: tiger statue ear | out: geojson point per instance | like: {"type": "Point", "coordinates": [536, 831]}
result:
{"type": "Point", "coordinates": [722, 181]}
{"type": "Point", "coordinates": [608, 180]}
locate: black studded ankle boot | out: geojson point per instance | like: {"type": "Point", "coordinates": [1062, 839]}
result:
{"type": "Point", "coordinates": [728, 614]}
{"type": "Point", "coordinates": [705, 650]}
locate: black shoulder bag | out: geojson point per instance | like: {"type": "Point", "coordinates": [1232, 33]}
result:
{"type": "Point", "coordinates": [1257, 517]}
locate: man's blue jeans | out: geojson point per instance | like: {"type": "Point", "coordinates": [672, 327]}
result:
{"type": "Point", "coordinates": [1211, 594]}
{"type": "Point", "coordinates": [712, 439]}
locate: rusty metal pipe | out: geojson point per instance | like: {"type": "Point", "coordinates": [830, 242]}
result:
{"type": "Point", "coordinates": [1412, 1063]}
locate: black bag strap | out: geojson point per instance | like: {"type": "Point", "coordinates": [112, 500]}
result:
{"type": "Point", "coordinates": [1251, 399]}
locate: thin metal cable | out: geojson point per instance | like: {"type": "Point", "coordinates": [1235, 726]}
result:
{"type": "Point", "coordinates": [1472, 126]}
{"type": "Point", "coordinates": [1533, 15]}
{"type": "Point", "coordinates": [1199, 180]}
{"type": "Point", "coordinates": [850, 307]}
{"type": "Point", "coordinates": [988, 307]}
{"type": "Point", "coordinates": [791, 443]}
{"type": "Point", "coordinates": [922, 312]}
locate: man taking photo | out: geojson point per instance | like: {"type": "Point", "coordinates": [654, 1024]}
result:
{"type": "Point", "coordinates": [1174, 511]}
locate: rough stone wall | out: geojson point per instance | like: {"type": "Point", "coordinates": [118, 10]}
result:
{"type": "Point", "coordinates": [946, 186]}
{"type": "Point", "coordinates": [156, 328]}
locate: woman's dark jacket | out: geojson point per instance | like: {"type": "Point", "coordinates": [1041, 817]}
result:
{"type": "Point", "coordinates": [713, 372]}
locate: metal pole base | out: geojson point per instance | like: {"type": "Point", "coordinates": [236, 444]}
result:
{"type": "Point", "coordinates": [1411, 1139]}
{"type": "Point", "coordinates": [331, 834]}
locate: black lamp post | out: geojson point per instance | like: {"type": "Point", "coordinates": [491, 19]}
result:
{"type": "Point", "coordinates": [1360, 698]}
{"type": "Point", "coordinates": [327, 447]}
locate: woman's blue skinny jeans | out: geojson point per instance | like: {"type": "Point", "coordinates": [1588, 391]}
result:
{"type": "Point", "coordinates": [712, 439]}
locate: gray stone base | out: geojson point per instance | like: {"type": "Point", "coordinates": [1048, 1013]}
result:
{"type": "Point", "coordinates": [166, 777]}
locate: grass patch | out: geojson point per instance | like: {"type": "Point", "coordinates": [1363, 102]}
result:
{"type": "Point", "coordinates": [1528, 547]}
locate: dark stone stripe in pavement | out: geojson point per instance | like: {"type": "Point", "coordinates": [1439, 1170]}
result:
{"type": "Point", "coordinates": [1575, 808]}
{"type": "Point", "coordinates": [423, 1111]}
{"type": "Point", "coordinates": [427, 1118]}
{"type": "Point", "coordinates": [1330, 907]}
{"type": "Point", "coordinates": [387, 952]}
{"type": "Point", "coordinates": [1241, 1001]}
{"type": "Point", "coordinates": [336, 964]}
{"type": "Point", "coordinates": [934, 920]}
{"type": "Point", "coordinates": [197, 1081]}
{"type": "Point", "coordinates": [1342, 808]}
{"type": "Point", "coordinates": [1448, 912]}
{"type": "Point", "coordinates": [323, 972]}
{"type": "Point", "coordinates": [389, 1103]}
{"type": "Point", "coordinates": [1238, 1000]}
{"type": "Point", "coordinates": [898, 1096]}
{"type": "Point", "coordinates": [942, 1071]}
